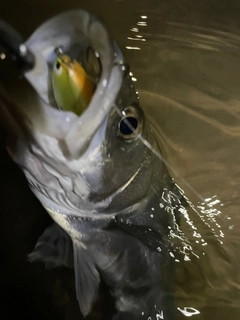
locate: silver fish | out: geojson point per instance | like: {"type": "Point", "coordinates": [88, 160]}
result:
{"type": "Point", "coordinates": [107, 192]}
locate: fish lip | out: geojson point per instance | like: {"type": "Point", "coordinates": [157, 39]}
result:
{"type": "Point", "coordinates": [43, 43]}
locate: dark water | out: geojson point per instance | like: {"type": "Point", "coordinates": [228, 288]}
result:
{"type": "Point", "coordinates": [185, 58]}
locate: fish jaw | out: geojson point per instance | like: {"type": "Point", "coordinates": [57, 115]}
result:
{"type": "Point", "coordinates": [71, 30]}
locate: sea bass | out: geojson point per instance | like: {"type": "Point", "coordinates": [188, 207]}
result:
{"type": "Point", "coordinates": [113, 203]}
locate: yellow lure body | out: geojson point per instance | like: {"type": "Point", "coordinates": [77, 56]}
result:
{"type": "Point", "coordinates": [72, 87]}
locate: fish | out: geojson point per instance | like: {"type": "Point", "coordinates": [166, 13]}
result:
{"type": "Point", "coordinates": [113, 203]}
{"type": "Point", "coordinates": [72, 87]}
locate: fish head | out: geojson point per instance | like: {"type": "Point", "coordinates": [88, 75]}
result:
{"type": "Point", "coordinates": [87, 164]}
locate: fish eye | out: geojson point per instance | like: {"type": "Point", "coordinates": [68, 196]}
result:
{"type": "Point", "coordinates": [131, 124]}
{"type": "Point", "coordinates": [128, 125]}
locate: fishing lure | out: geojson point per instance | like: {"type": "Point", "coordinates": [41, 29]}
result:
{"type": "Point", "coordinates": [72, 87]}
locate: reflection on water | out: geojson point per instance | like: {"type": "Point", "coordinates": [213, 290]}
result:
{"type": "Point", "coordinates": [184, 60]}
{"type": "Point", "coordinates": [188, 311]}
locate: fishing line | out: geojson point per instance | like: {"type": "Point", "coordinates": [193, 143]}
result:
{"type": "Point", "coordinates": [178, 175]}
{"type": "Point", "coordinates": [185, 247]}
{"type": "Point", "coordinates": [159, 156]}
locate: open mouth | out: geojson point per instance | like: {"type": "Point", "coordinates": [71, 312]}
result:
{"type": "Point", "coordinates": [74, 79]}
{"type": "Point", "coordinates": [74, 67]}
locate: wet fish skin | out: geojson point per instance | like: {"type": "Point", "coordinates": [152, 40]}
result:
{"type": "Point", "coordinates": [112, 200]}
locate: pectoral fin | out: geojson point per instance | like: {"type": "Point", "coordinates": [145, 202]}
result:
{"type": "Point", "coordinates": [54, 248]}
{"type": "Point", "coordinates": [87, 278]}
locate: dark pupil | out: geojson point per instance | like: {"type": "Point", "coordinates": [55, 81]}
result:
{"type": "Point", "coordinates": [128, 125]}
{"type": "Point", "coordinates": [57, 65]}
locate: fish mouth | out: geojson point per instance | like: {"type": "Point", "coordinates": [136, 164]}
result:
{"type": "Point", "coordinates": [78, 33]}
